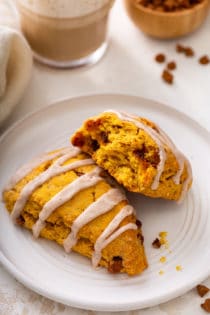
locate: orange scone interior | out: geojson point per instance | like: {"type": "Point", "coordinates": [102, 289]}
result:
{"type": "Point", "coordinates": [63, 196]}
{"type": "Point", "coordinates": [137, 153]}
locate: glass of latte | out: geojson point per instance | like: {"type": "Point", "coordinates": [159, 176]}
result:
{"type": "Point", "coordinates": [65, 33]}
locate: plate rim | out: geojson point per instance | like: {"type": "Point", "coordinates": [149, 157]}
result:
{"type": "Point", "coordinates": [19, 275]}
{"type": "Point", "coordinates": [104, 95]}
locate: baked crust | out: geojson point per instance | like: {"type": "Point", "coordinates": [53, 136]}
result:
{"type": "Point", "coordinates": [131, 155]}
{"type": "Point", "coordinates": [124, 254]}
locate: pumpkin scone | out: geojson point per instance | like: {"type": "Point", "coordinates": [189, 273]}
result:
{"type": "Point", "coordinates": [137, 153]}
{"type": "Point", "coordinates": [65, 197]}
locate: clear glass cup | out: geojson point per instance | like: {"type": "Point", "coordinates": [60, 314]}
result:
{"type": "Point", "coordinates": [65, 33]}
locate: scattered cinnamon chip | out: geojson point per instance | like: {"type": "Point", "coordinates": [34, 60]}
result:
{"type": "Point", "coordinates": [189, 52]}
{"type": "Point", "coordinates": [206, 305]}
{"type": "Point", "coordinates": [180, 48]}
{"type": "Point", "coordinates": [204, 60]}
{"type": "Point", "coordinates": [160, 58]}
{"type": "Point", "coordinates": [171, 65]}
{"type": "Point", "coordinates": [202, 289]}
{"type": "Point", "coordinates": [167, 77]}
{"type": "Point", "coordinates": [169, 5]}
{"type": "Point", "coordinates": [156, 243]}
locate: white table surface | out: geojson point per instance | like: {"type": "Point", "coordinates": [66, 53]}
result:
{"type": "Point", "coordinates": [129, 68]}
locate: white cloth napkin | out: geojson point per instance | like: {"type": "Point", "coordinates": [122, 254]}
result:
{"type": "Point", "coordinates": [15, 60]}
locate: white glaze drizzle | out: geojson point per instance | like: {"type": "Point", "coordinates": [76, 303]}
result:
{"type": "Point", "coordinates": [102, 205]}
{"type": "Point", "coordinates": [111, 232]}
{"type": "Point", "coordinates": [182, 161]}
{"type": "Point", "coordinates": [27, 168]}
{"type": "Point", "coordinates": [55, 169]}
{"type": "Point", "coordinates": [85, 181]}
{"type": "Point", "coordinates": [179, 156]}
{"type": "Point", "coordinates": [161, 138]}
{"type": "Point", "coordinates": [186, 182]}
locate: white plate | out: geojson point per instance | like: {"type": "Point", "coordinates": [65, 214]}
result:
{"type": "Point", "coordinates": [45, 268]}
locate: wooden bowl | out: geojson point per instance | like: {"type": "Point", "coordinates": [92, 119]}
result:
{"type": "Point", "coordinates": [167, 24]}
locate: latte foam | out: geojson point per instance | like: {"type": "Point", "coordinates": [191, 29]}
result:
{"type": "Point", "coordinates": [63, 8]}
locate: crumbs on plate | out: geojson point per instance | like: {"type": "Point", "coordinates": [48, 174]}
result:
{"type": "Point", "coordinates": [161, 272]}
{"type": "Point", "coordinates": [156, 243]}
{"type": "Point", "coordinates": [161, 240]}
{"type": "Point", "coordinates": [162, 259]}
{"type": "Point", "coordinates": [179, 268]}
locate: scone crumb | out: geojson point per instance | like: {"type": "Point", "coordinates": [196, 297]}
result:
{"type": "Point", "coordinates": [163, 239]}
{"type": "Point", "coordinates": [115, 265]}
{"type": "Point", "coordinates": [202, 290]}
{"type": "Point", "coordinates": [161, 272]}
{"type": "Point", "coordinates": [162, 259]}
{"type": "Point", "coordinates": [206, 305]}
{"type": "Point", "coordinates": [179, 268]}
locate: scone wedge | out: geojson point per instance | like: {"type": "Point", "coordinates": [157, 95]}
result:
{"type": "Point", "coordinates": [65, 197]}
{"type": "Point", "coordinates": [137, 153]}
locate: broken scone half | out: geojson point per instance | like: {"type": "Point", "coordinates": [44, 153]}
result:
{"type": "Point", "coordinates": [65, 197]}
{"type": "Point", "coordinates": [137, 153]}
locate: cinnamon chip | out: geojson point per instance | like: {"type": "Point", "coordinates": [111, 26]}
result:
{"type": "Point", "coordinates": [138, 223]}
{"type": "Point", "coordinates": [160, 58]}
{"type": "Point", "coordinates": [189, 52]}
{"type": "Point", "coordinates": [206, 305]}
{"type": "Point", "coordinates": [156, 243]}
{"type": "Point", "coordinates": [20, 220]}
{"type": "Point", "coordinates": [204, 60]}
{"type": "Point", "coordinates": [171, 65]}
{"type": "Point", "coordinates": [141, 237]}
{"type": "Point", "coordinates": [180, 48]}
{"type": "Point", "coordinates": [168, 5]}
{"type": "Point", "coordinates": [167, 77]}
{"type": "Point", "coordinates": [115, 265]}
{"type": "Point", "coordinates": [202, 289]}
